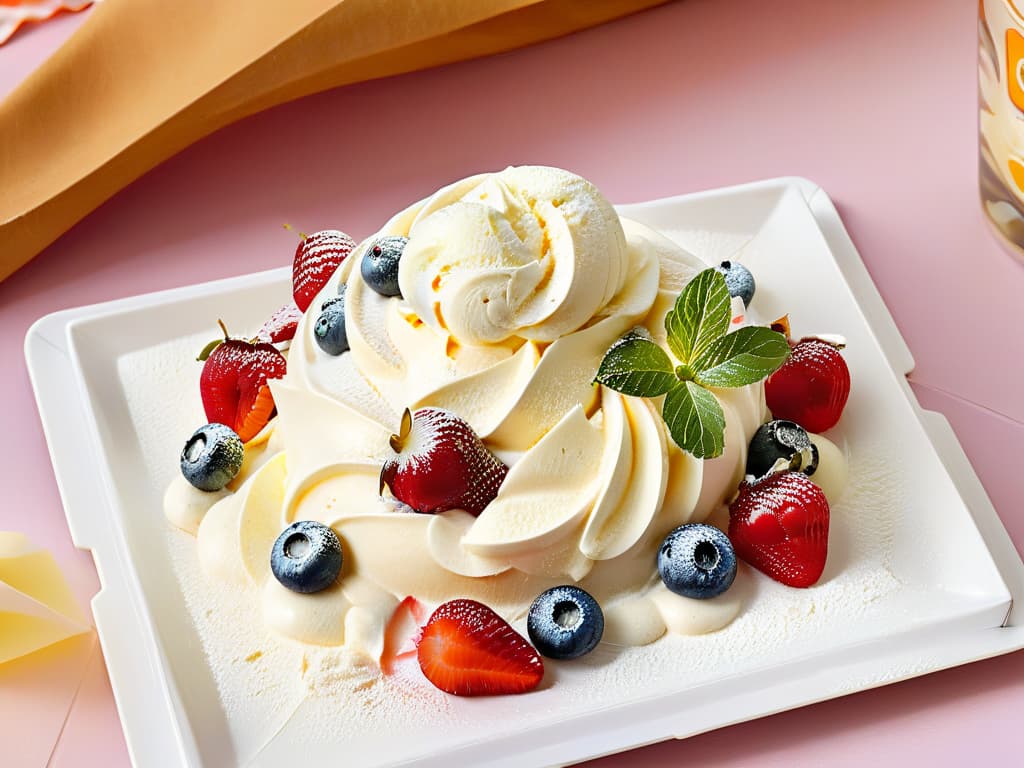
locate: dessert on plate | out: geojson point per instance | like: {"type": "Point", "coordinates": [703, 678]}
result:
{"type": "Point", "coordinates": [510, 406]}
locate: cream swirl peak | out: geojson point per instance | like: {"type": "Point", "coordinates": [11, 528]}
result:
{"type": "Point", "coordinates": [530, 252]}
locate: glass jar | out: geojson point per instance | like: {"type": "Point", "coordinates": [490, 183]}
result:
{"type": "Point", "coordinates": [1001, 118]}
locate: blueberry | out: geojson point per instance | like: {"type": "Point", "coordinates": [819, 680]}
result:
{"type": "Point", "coordinates": [738, 280]}
{"type": "Point", "coordinates": [329, 330]}
{"type": "Point", "coordinates": [697, 560]}
{"type": "Point", "coordinates": [212, 457]}
{"type": "Point", "coordinates": [306, 557]}
{"type": "Point", "coordinates": [565, 623]}
{"type": "Point", "coordinates": [781, 439]}
{"type": "Point", "coordinates": [380, 264]}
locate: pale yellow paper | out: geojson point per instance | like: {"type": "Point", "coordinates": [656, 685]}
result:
{"type": "Point", "coordinates": [37, 608]}
{"type": "Point", "coordinates": [142, 79]}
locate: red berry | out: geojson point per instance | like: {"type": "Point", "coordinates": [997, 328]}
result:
{"type": "Point", "coordinates": [440, 463]}
{"type": "Point", "coordinates": [780, 526]}
{"type": "Point", "coordinates": [811, 387]}
{"type": "Point", "coordinates": [234, 387]}
{"type": "Point", "coordinates": [316, 258]}
{"type": "Point", "coordinates": [467, 649]}
{"type": "Point", "coordinates": [281, 326]}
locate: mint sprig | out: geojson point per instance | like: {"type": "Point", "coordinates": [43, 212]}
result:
{"type": "Point", "coordinates": [707, 355]}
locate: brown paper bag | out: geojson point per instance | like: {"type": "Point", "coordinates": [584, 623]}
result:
{"type": "Point", "coordinates": [143, 79]}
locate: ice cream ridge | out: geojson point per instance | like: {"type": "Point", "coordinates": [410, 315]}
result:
{"type": "Point", "coordinates": [510, 407]}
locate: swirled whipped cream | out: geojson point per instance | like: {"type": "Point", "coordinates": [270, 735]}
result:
{"type": "Point", "coordinates": [515, 285]}
{"type": "Point", "coordinates": [530, 253]}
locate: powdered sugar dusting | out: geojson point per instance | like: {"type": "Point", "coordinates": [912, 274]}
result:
{"type": "Point", "coordinates": [243, 366]}
{"type": "Point", "coordinates": [713, 246]}
{"type": "Point", "coordinates": [795, 554]}
{"type": "Point", "coordinates": [342, 380]}
{"type": "Point", "coordinates": [275, 694]}
{"type": "Point", "coordinates": [281, 326]}
{"type": "Point", "coordinates": [318, 256]}
{"type": "Point", "coordinates": [440, 444]}
{"type": "Point", "coordinates": [467, 649]}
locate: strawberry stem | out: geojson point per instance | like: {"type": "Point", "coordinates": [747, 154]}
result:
{"type": "Point", "coordinates": [782, 326]}
{"type": "Point", "coordinates": [224, 328]}
{"type": "Point", "coordinates": [397, 442]}
{"type": "Point", "coordinates": [290, 228]}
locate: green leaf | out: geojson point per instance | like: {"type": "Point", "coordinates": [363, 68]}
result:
{"type": "Point", "coordinates": [740, 358]}
{"type": "Point", "coordinates": [700, 316]}
{"type": "Point", "coordinates": [208, 350]}
{"type": "Point", "coordinates": [635, 365]}
{"type": "Point", "coordinates": [695, 420]}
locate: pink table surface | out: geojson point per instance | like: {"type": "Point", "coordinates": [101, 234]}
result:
{"type": "Point", "coordinates": [874, 100]}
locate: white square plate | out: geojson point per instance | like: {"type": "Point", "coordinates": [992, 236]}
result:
{"type": "Point", "coordinates": [939, 591]}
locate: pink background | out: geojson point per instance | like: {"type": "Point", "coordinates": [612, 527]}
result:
{"type": "Point", "coordinates": [874, 100]}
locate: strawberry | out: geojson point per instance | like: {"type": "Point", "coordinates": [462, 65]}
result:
{"type": "Point", "coordinates": [316, 258]}
{"type": "Point", "coordinates": [281, 326]}
{"type": "Point", "coordinates": [467, 649]}
{"type": "Point", "coordinates": [401, 632]}
{"type": "Point", "coordinates": [440, 463]}
{"type": "Point", "coordinates": [811, 387]}
{"type": "Point", "coordinates": [234, 387]}
{"type": "Point", "coordinates": [779, 525]}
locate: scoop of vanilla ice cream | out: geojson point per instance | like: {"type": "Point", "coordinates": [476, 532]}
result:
{"type": "Point", "coordinates": [530, 252]}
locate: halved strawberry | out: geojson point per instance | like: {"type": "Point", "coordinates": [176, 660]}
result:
{"type": "Point", "coordinates": [401, 633]}
{"type": "Point", "coordinates": [779, 524]}
{"type": "Point", "coordinates": [316, 258]}
{"type": "Point", "coordinates": [467, 649]}
{"type": "Point", "coordinates": [234, 387]}
{"type": "Point", "coordinates": [281, 326]}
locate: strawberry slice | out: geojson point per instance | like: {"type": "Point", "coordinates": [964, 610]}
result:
{"type": "Point", "coordinates": [316, 258]}
{"type": "Point", "coordinates": [281, 326]}
{"type": "Point", "coordinates": [401, 633]}
{"type": "Point", "coordinates": [779, 525]}
{"type": "Point", "coordinates": [234, 387]}
{"type": "Point", "coordinates": [467, 649]}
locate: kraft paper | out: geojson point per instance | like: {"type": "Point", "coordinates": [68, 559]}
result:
{"type": "Point", "coordinates": [142, 79]}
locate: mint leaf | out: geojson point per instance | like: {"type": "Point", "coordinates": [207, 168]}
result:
{"type": "Point", "coordinates": [635, 365]}
{"type": "Point", "coordinates": [701, 315]}
{"type": "Point", "coordinates": [695, 420]}
{"type": "Point", "coordinates": [740, 358]}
